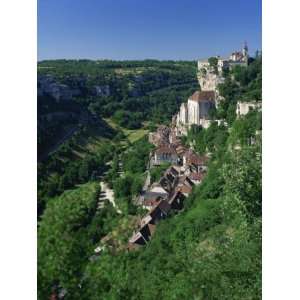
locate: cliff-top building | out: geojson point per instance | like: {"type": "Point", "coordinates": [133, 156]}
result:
{"type": "Point", "coordinates": [195, 111]}
{"type": "Point", "coordinates": [210, 77]}
{"type": "Point", "coordinates": [236, 58]}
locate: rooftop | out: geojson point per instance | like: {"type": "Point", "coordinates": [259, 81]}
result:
{"type": "Point", "coordinates": [196, 176]}
{"type": "Point", "coordinates": [203, 96]}
{"type": "Point", "coordinates": [193, 158]}
{"type": "Point", "coordinates": [164, 205]}
{"type": "Point", "coordinates": [135, 237]}
{"type": "Point", "coordinates": [185, 189]}
{"type": "Point", "coordinates": [146, 220]}
{"type": "Point", "coordinates": [175, 196]}
{"type": "Point", "coordinates": [154, 195]}
{"type": "Point", "coordinates": [165, 149]}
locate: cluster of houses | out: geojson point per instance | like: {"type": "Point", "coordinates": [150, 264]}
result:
{"type": "Point", "coordinates": [168, 194]}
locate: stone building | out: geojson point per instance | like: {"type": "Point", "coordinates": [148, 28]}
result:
{"type": "Point", "coordinates": [161, 136]}
{"type": "Point", "coordinates": [195, 111]}
{"type": "Point", "coordinates": [183, 113]}
{"type": "Point", "coordinates": [242, 108]}
{"type": "Point", "coordinates": [199, 105]}
{"type": "Point", "coordinates": [209, 78]}
{"type": "Point", "coordinates": [165, 154]}
{"type": "Point", "coordinates": [240, 57]}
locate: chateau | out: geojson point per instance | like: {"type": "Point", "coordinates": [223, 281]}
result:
{"type": "Point", "coordinates": [236, 58]}
{"type": "Point", "coordinates": [210, 74]}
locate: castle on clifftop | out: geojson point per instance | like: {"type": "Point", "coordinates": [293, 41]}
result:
{"type": "Point", "coordinates": [210, 74]}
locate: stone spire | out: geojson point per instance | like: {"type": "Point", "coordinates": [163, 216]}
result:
{"type": "Point", "coordinates": [245, 49]}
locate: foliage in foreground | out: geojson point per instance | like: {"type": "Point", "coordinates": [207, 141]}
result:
{"type": "Point", "coordinates": [67, 234]}
{"type": "Point", "coordinates": [211, 251]}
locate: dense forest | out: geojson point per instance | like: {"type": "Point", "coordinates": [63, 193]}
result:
{"type": "Point", "coordinates": [210, 250]}
{"type": "Point", "coordinates": [135, 91]}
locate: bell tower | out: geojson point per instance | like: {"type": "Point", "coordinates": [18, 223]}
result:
{"type": "Point", "coordinates": [245, 52]}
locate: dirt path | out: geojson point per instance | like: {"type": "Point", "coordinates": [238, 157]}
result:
{"type": "Point", "coordinates": [107, 193]}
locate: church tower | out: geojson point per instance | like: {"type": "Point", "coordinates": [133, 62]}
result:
{"type": "Point", "coordinates": [245, 52]}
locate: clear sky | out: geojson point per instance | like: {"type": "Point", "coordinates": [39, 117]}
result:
{"type": "Point", "coordinates": [140, 29]}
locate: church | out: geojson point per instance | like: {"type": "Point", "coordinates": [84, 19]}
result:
{"type": "Point", "coordinates": [195, 111]}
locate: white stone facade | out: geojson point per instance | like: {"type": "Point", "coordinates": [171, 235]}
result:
{"type": "Point", "coordinates": [193, 112]}
{"type": "Point", "coordinates": [183, 113]}
{"type": "Point", "coordinates": [242, 108]}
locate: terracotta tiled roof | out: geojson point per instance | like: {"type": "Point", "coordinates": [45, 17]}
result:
{"type": "Point", "coordinates": [203, 95]}
{"type": "Point", "coordinates": [165, 149]}
{"type": "Point", "coordinates": [181, 149]}
{"type": "Point", "coordinates": [164, 205]}
{"type": "Point", "coordinates": [185, 189]}
{"type": "Point", "coordinates": [196, 160]}
{"type": "Point", "coordinates": [193, 158]}
{"type": "Point", "coordinates": [196, 176]}
{"type": "Point", "coordinates": [184, 180]}
{"type": "Point", "coordinates": [154, 195]}
{"type": "Point", "coordinates": [176, 194]}
{"type": "Point", "coordinates": [151, 202]}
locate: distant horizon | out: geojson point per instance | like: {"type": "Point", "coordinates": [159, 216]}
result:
{"type": "Point", "coordinates": [141, 59]}
{"type": "Point", "coordinates": [133, 30]}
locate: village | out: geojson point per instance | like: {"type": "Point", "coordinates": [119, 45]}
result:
{"type": "Point", "coordinates": [168, 194]}
{"type": "Point", "coordinates": [184, 168]}
{"type": "Point", "coordinates": [149, 142]}
{"type": "Point", "coordinates": [187, 168]}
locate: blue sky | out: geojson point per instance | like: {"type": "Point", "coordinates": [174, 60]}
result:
{"type": "Point", "coordinates": [139, 29]}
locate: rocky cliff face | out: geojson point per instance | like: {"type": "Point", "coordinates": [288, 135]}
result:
{"type": "Point", "coordinates": [49, 86]}
{"type": "Point", "coordinates": [209, 81]}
